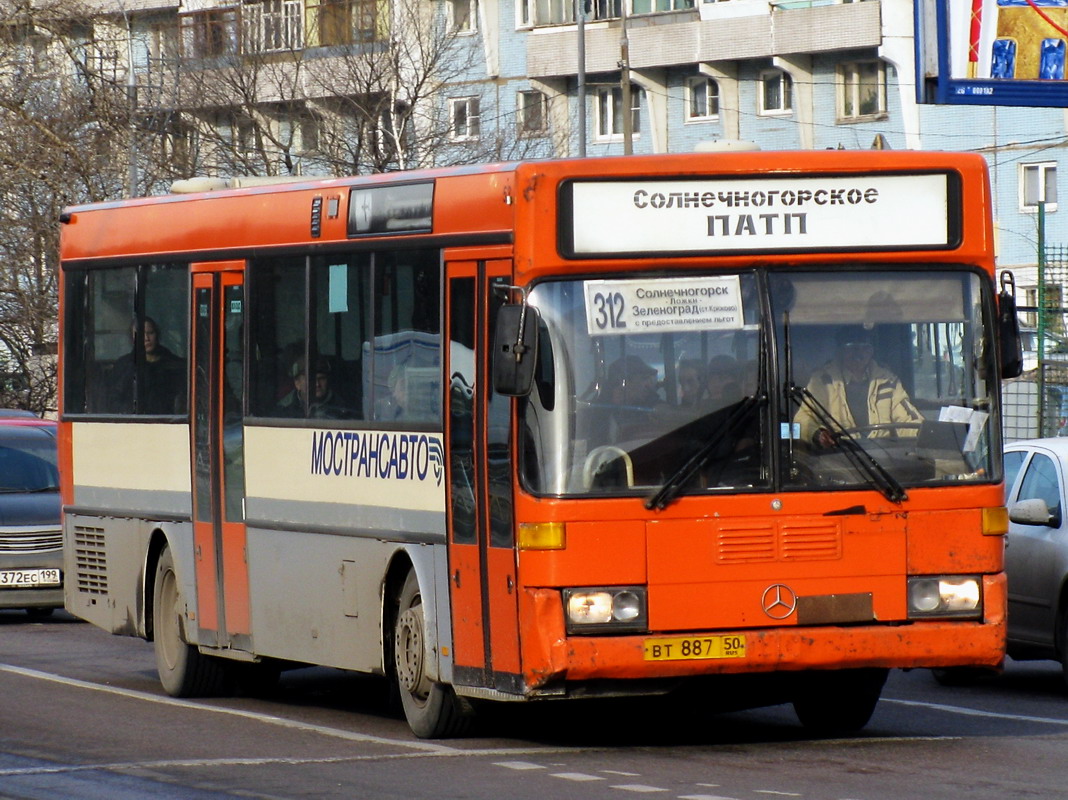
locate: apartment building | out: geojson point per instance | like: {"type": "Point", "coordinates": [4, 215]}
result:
{"type": "Point", "coordinates": [320, 86]}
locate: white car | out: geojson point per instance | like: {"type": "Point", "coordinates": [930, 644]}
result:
{"type": "Point", "coordinates": [1036, 549]}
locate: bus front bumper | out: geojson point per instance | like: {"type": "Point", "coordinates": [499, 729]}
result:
{"type": "Point", "coordinates": [897, 644]}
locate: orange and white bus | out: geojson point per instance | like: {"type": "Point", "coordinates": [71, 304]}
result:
{"type": "Point", "coordinates": [545, 430]}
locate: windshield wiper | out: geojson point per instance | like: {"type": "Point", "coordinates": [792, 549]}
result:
{"type": "Point", "coordinates": [863, 461]}
{"type": "Point", "coordinates": [673, 485]}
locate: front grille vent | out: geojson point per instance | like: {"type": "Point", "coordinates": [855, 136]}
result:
{"type": "Point", "coordinates": [746, 543]}
{"type": "Point", "coordinates": [91, 565]}
{"type": "Point", "coordinates": [30, 540]}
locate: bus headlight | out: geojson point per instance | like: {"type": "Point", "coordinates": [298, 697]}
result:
{"type": "Point", "coordinates": [605, 610]}
{"type": "Point", "coordinates": [945, 596]}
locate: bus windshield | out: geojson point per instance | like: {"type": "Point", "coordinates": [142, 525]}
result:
{"type": "Point", "coordinates": [761, 380]}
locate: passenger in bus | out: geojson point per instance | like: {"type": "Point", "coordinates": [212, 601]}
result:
{"type": "Point", "coordinates": [631, 393]}
{"type": "Point", "coordinates": [858, 392]}
{"type": "Point", "coordinates": [324, 402]}
{"type": "Point", "coordinates": [691, 378]}
{"type": "Point", "coordinates": [163, 374]}
{"type": "Point", "coordinates": [723, 382]}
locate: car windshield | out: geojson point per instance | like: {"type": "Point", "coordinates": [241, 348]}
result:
{"type": "Point", "coordinates": [28, 459]}
{"type": "Point", "coordinates": [761, 380]}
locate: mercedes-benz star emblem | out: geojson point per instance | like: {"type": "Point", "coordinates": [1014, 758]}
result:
{"type": "Point", "coordinates": [778, 601]}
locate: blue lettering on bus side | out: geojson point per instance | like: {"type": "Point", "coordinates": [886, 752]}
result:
{"type": "Point", "coordinates": [381, 455]}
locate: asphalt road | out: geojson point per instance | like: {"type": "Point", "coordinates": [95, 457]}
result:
{"type": "Point", "coordinates": [82, 716]}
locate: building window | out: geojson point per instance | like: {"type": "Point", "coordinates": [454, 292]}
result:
{"type": "Point", "coordinates": [1038, 184]}
{"type": "Point", "coordinates": [465, 119]}
{"type": "Point", "coordinates": [342, 22]}
{"type": "Point", "coordinates": [604, 9]}
{"type": "Point", "coordinates": [610, 111]}
{"type": "Point", "coordinates": [862, 92]}
{"type": "Point", "coordinates": [654, 6]}
{"type": "Point", "coordinates": [463, 15]}
{"type": "Point", "coordinates": [776, 92]}
{"type": "Point", "coordinates": [532, 113]}
{"type": "Point", "coordinates": [702, 99]}
{"type": "Point", "coordinates": [562, 12]}
{"type": "Point", "coordinates": [274, 25]}
{"type": "Point", "coordinates": [208, 34]}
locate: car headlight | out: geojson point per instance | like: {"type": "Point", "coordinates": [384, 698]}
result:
{"type": "Point", "coordinates": [945, 596]}
{"type": "Point", "coordinates": [605, 610]}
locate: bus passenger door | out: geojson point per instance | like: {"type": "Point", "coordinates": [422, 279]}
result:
{"type": "Point", "coordinates": [482, 566]}
{"type": "Point", "coordinates": [218, 455]}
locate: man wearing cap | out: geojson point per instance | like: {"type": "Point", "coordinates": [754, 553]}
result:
{"type": "Point", "coordinates": [857, 392]}
{"type": "Point", "coordinates": [324, 402]}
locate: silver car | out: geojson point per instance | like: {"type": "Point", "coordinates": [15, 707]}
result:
{"type": "Point", "coordinates": [31, 540]}
{"type": "Point", "coordinates": [1036, 549]}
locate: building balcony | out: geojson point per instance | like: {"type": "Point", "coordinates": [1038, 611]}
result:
{"type": "Point", "coordinates": [728, 31]}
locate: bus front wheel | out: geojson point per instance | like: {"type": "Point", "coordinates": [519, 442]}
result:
{"type": "Point", "coordinates": [432, 709]}
{"type": "Point", "coordinates": [838, 701]}
{"type": "Point", "coordinates": [183, 670]}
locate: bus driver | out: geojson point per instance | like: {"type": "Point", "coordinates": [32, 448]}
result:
{"type": "Point", "coordinates": [856, 391]}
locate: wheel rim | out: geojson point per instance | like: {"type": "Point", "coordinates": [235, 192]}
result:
{"type": "Point", "coordinates": [409, 653]}
{"type": "Point", "coordinates": [168, 633]}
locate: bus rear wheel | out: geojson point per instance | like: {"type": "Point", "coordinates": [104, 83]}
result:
{"type": "Point", "coordinates": [432, 709]}
{"type": "Point", "coordinates": [183, 670]}
{"type": "Point", "coordinates": [838, 701]}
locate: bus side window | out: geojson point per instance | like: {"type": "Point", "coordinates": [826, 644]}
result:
{"type": "Point", "coordinates": [405, 352]}
{"type": "Point", "coordinates": [276, 321]}
{"type": "Point", "coordinates": [341, 288]}
{"type": "Point", "coordinates": [129, 354]}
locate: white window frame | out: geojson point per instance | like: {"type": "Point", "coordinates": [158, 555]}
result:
{"type": "Point", "coordinates": [850, 84]}
{"type": "Point", "coordinates": [524, 102]}
{"type": "Point", "coordinates": [1036, 183]}
{"type": "Point", "coordinates": [463, 22]}
{"type": "Point", "coordinates": [274, 26]}
{"type": "Point", "coordinates": [524, 14]}
{"type": "Point", "coordinates": [786, 103]}
{"type": "Point", "coordinates": [704, 87]}
{"type": "Point", "coordinates": [605, 9]}
{"type": "Point", "coordinates": [465, 121]}
{"type": "Point", "coordinates": [661, 6]}
{"type": "Point", "coordinates": [537, 13]}
{"type": "Point", "coordinates": [605, 99]}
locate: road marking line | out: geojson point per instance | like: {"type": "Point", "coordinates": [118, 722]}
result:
{"type": "Point", "coordinates": [638, 787]}
{"type": "Point", "coordinates": [576, 776]}
{"type": "Point", "coordinates": [121, 766]}
{"type": "Point", "coordinates": [518, 765]}
{"type": "Point", "coordinates": [974, 712]}
{"type": "Point", "coordinates": [422, 748]}
{"type": "Point", "coordinates": [266, 718]}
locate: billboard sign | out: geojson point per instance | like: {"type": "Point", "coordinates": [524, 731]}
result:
{"type": "Point", "coordinates": [993, 52]}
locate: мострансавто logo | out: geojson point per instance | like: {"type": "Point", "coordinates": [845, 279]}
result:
{"type": "Point", "coordinates": [380, 455]}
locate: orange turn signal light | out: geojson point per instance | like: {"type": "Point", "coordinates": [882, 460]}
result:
{"type": "Point", "coordinates": [542, 536]}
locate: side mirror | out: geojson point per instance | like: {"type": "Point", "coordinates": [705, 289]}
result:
{"type": "Point", "coordinates": [1034, 512]}
{"type": "Point", "coordinates": [515, 350]}
{"type": "Point", "coordinates": [1009, 329]}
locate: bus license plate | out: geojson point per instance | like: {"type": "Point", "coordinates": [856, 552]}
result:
{"type": "Point", "coordinates": [682, 648]}
{"type": "Point", "coordinates": [29, 577]}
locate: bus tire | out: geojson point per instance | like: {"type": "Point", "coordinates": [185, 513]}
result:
{"type": "Point", "coordinates": [183, 670]}
{"type": "Point", "coordinates": [433, 710]}
{"type": "Point", "coordinates": [838, 702]}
